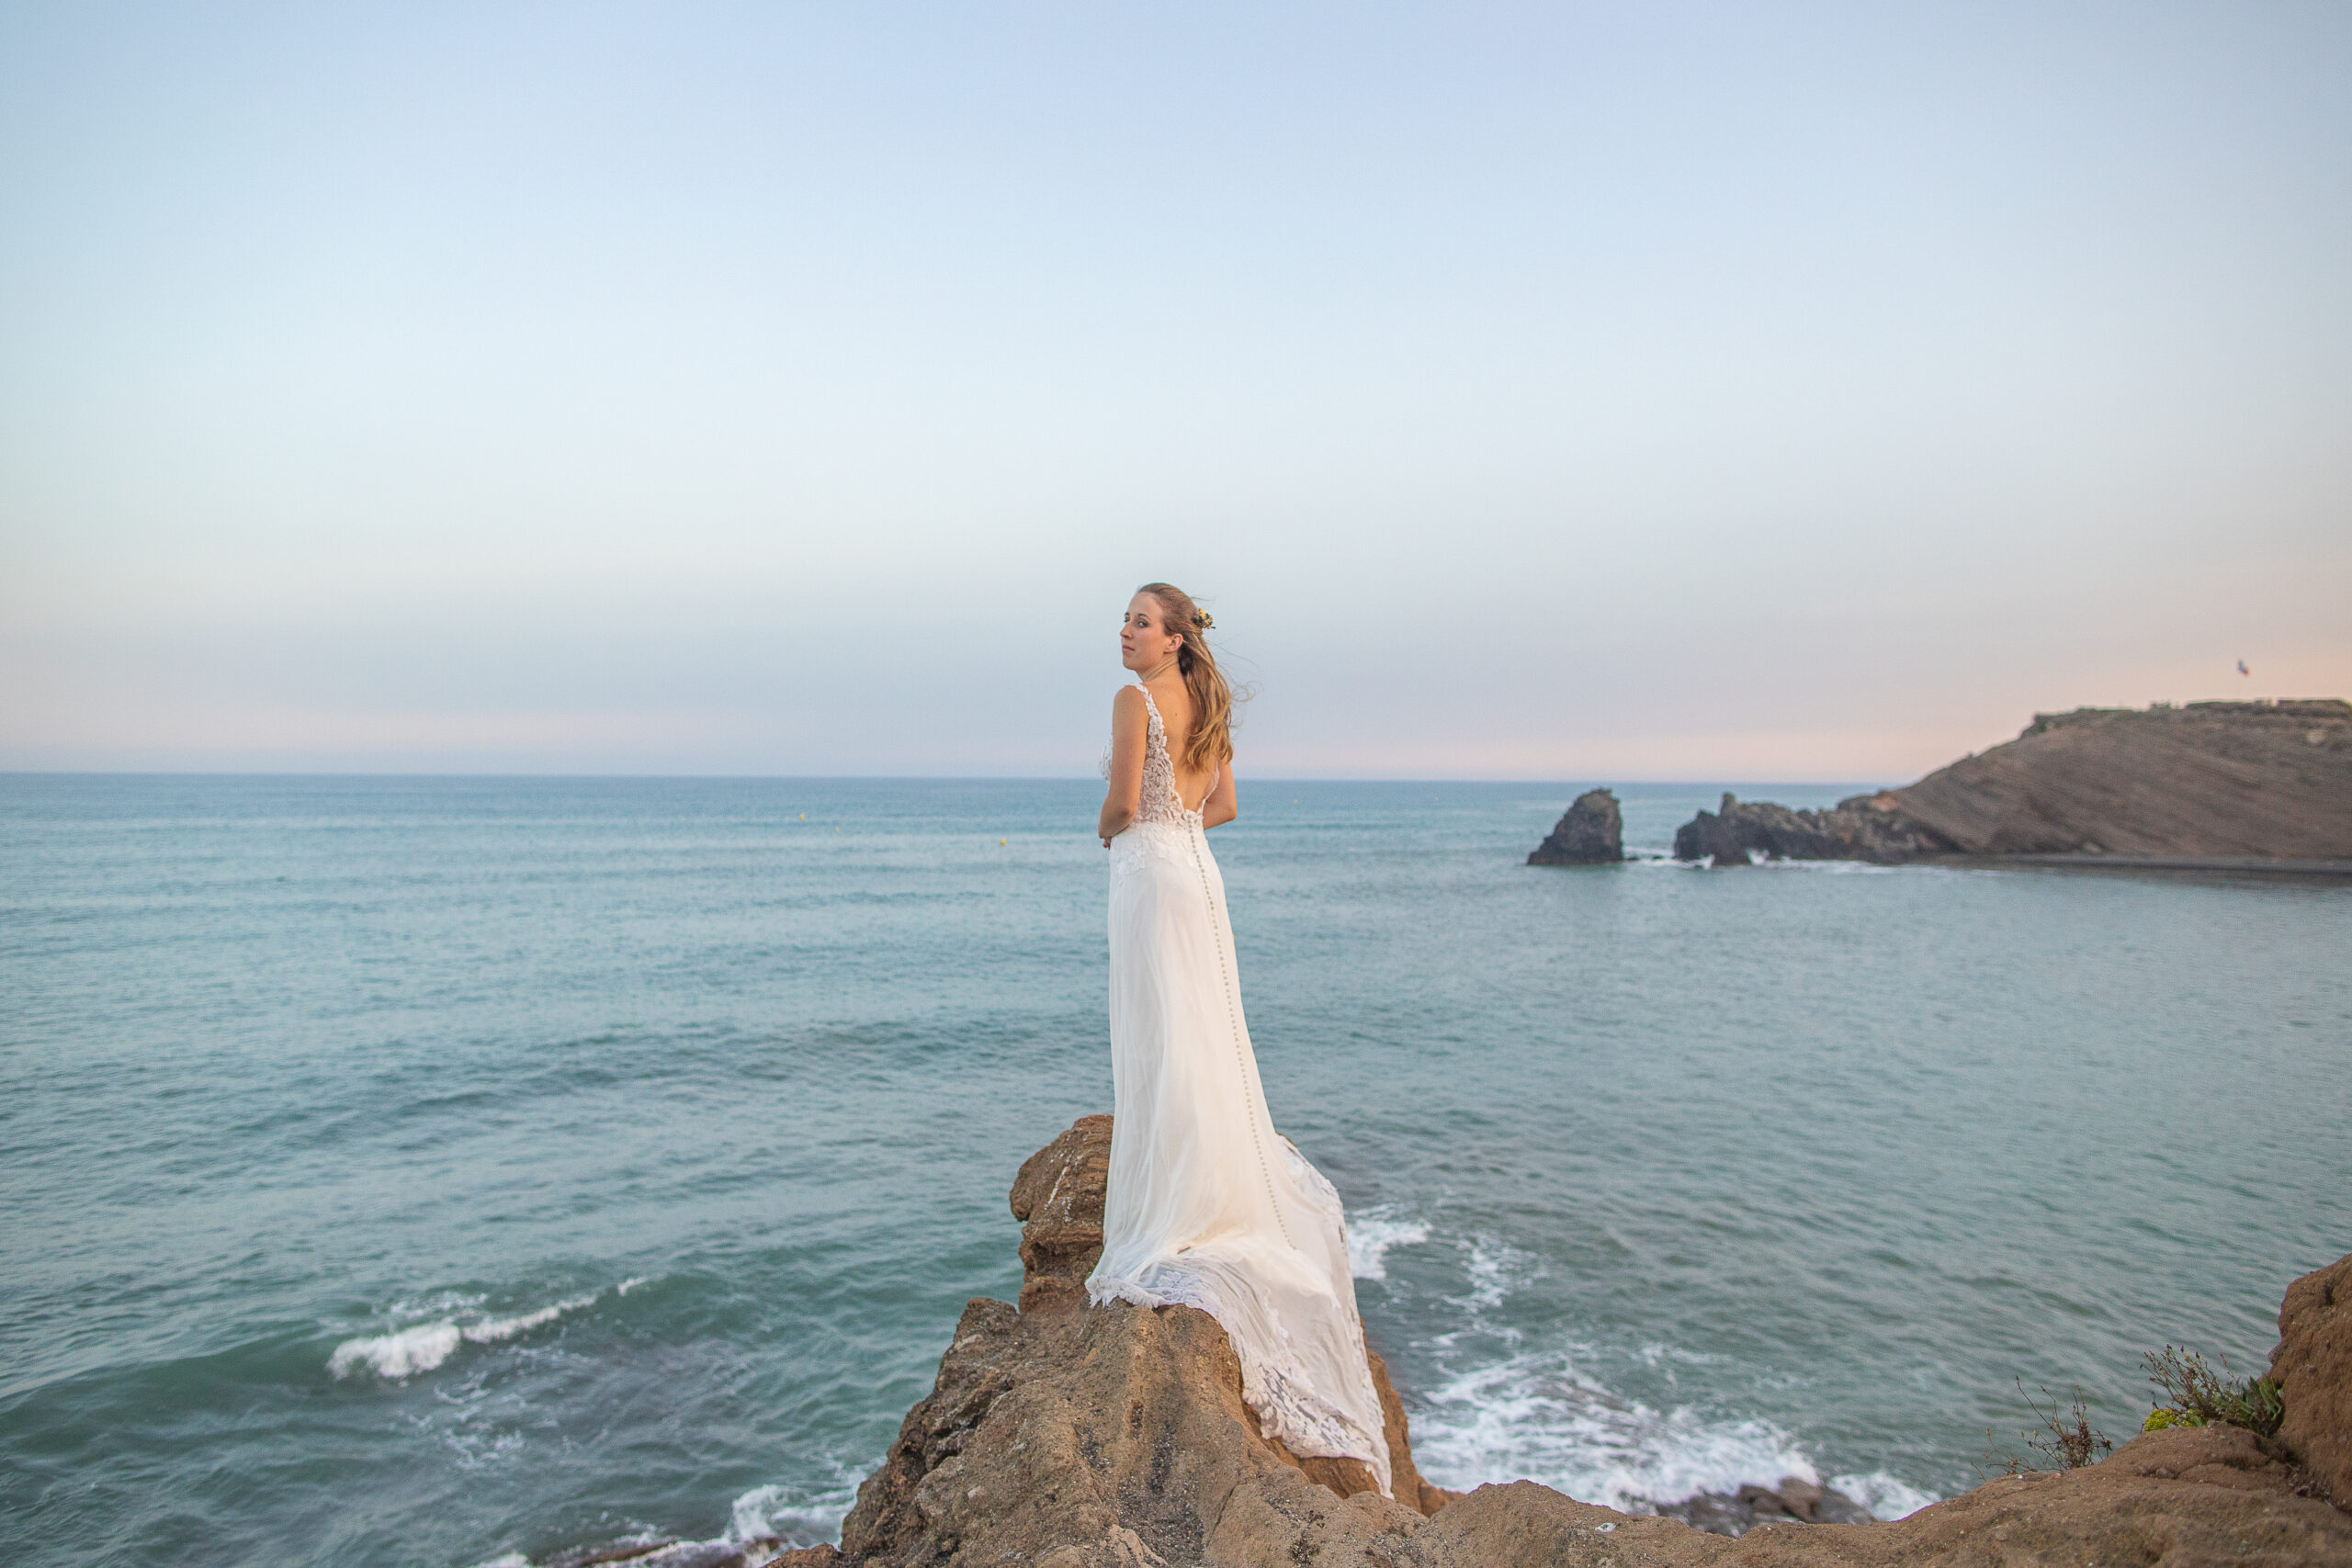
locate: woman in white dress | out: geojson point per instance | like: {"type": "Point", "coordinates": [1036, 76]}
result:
{"type": "Point", "coordinates": [1209, 1206]}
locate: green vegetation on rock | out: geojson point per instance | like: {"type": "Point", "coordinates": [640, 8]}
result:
{"type": "Point", "coordinates": [2197, 1395]}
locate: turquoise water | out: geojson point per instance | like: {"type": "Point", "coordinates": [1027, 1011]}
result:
{"type": "Point", "coordinates": [417, 1172]}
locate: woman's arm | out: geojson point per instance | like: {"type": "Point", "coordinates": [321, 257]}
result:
{"type": "Point", "coordinates": [1221, 807]}
{"type": "Point", "coordinates": [1127, 729]}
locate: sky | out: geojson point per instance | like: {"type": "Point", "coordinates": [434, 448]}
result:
{"type": "Point", "coordinates": [1567, 392]}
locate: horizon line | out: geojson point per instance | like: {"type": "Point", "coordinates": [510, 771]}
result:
{"type": "Point", "coordinates": [868, 778]}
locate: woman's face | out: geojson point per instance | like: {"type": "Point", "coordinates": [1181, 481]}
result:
{"type": "Point", "coordinates": [1145, 641]}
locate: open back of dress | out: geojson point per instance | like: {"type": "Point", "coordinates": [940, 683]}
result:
{"type": "Point", "coordinates": [1209, 1206]}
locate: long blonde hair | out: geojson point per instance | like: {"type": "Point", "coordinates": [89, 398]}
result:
{"type": "Point", "coordinates": [1210, 744]}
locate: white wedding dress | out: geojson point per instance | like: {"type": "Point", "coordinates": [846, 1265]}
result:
{"type": "Point", "coordinates": [1209, 1206]}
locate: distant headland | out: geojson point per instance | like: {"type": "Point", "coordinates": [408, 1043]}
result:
{"type": "Point", "coordinates": [2263, 786]}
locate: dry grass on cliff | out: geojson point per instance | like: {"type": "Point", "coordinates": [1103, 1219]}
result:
{"type": "Point", "coordinates": [2197, 1395]}
{"type": "Point", "coordinates": [2063, 1439]}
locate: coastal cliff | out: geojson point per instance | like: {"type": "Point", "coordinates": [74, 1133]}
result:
{"type": "Point", "coordinates": [2210, 781]}
{"type": "Point", "coordinates": [1116, 1438]}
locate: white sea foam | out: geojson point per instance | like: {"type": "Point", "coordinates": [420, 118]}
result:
{"type": "Point", "coordinates": [763, 1526]}
{"type": "Point", "coordinates": [1370, 1236]}
{"type": "Point", "coordinates": [695, 1554]}
{"type": "Point", "coordinates": [499, 1328]}
{"type": "Point", "coordinates": [1536, 1417]}
{"type": "Point", "coordinates": [1492, 1266]}
{"type": "Point", "coordinates": [765, 1513]}
{"type": "Point", "coordinates": [398, 1355]}
{"type": "Point", "coordinates": [632, 1282]}
{"type": "Point", "coordinates": [1537, 1414]}
{"type": "Point", "coordinates": [423, 1347]}
{"type": "Point", "coordinates": [1882, 1495]}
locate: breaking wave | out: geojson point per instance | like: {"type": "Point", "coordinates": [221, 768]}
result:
{"type": "Point", "coordinates": [1504, 1409]}
{"type": "Point", "coordinates": [1536, 1417]}
{"type": "Point", "coordinates": [1372, 1234]}
{"type": "Point", "coordinates": [408, 1351]}
{"type": "Point", "coordinates": [763, 1525]}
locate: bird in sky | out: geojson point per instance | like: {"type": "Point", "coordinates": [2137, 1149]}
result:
{"type": "Point", "coordinates": [2241, 669]}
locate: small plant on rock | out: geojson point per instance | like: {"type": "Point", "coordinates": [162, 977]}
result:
{"type": "Point", "coordinates": [2066, 1441]}
{"type": "Point", "coordinates": [2068, 1438]}
{"type": "Point", "coordinates": [2197, 1395]}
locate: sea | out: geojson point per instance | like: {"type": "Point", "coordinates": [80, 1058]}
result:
{"type": "Point", "coordinates": [458, 1171]}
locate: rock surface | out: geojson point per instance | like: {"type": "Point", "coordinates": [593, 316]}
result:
{"type": "Point", "coordinates": [1794, 1498]}
{"type": "Point", "coordinates": [1068, 1436]}
{"type": "Point", "coordinates": [2314, 1368]}
{"type": "Point", "coordinates": [1591, 832]}
{"type": "Point", "coordinates": [1863, 827]}
{"type": "Point", "coordinates": [1059, 1197]}
{"type": "Point", "coordinates": [2210, 780]}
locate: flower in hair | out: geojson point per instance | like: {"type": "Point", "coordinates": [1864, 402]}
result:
{"type": "Point", "coordinates": [1202, 619]}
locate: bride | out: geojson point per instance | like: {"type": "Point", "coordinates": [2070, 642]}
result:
{"type": "Point", "coordinates": [1209, 1206]}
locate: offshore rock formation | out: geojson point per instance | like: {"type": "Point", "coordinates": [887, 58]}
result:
{"type": "Point", "coordinates": [1066, 1437]}
{"type": "Point", "coordinates": [1591, 832]}
{"type": "Point", "coordinates": [1863, 827]}
{"type": "Point", "coordinates": [2208, 782]}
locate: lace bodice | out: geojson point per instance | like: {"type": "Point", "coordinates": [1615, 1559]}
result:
{"type": "Point", "coordinates": [1159, 801]}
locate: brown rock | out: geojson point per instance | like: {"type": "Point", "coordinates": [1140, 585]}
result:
{"type": "Point", "coordinates": [1063, 1366]}
{"type": "Point", "coordinates": [1523, 1523]}
{"type": "Point", "coordinates": [2314, 1368]}
{"type": "Point", "coordinates": [807, 1557]}
{"type": "Point", "coordinates": [2210, 780]}
{"type": "Point", "coordinates": [1059, 1195]}
{"type": "Point", "coordinates": [1115, 1433]}
{"type": "Point", "coordinates": [1116, 1438]}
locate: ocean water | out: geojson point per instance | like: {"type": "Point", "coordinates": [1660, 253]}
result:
{"type": "Point", "coordinates": [452, 1171]}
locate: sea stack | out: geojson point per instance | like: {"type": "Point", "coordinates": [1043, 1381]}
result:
{"type": "Point", "coordinates": [1591, 832]}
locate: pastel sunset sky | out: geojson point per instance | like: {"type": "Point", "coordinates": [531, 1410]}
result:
{"type": "Point", "coordinates": [1566, 391]}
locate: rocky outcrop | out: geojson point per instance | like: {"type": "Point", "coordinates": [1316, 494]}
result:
{"type": "Point", "coordinates": [1068, 1436]}
{"type": "Point", "coordinates": [1591, 832]}
{"type": "Point", "coordinates": [1794, 1499]}
{"type": "Point", "coordinates": [1058, 1198]}
{"type": "Point", "coordinates": [1863, 827]}
{"type": "Point", "coordinates": [1076, 1436]}
{"type": "Point", "coordinates": [2210, 781]}
{"type": "Point", "coordinates": [2217, 1497]}
{"type": "Point", "coordinates": [2312, 1367]}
